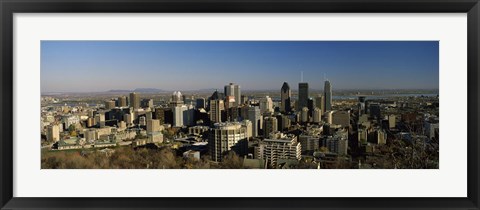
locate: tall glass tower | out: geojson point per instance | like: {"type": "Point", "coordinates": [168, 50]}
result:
{"type": "Point", "coordinates": [302, 95]}
{"type": "Point", "coordinates": [285, 95]}
{"type": "Point", "coordinates": [328, 95]}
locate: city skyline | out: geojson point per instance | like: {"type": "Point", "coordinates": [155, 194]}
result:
{"type": "Point", "coordinates": [167, 65]}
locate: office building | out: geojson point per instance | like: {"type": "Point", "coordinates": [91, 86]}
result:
{"type": "Point", "coordinates": [134, 100]}
{"type": "Point", "coordinates": [110, 104]}
{"type": "Point", "coordinates": [128, 118]}
{"type": "Point", "coordinates": [317, 115]}
{"type": "Point", "coordinates": [375, 111]}
{"type": "Point", "coordinates": [284, 123]}
{"type": "Point", "coordinates": [160, 114]}
{"type": "Point", "coordinates": [285, 98]}
{"type": "Point", "coordinates": [177, 99]}
{"type": "Point", "coordinates": [361, 105]}
{"type": "Point", "coordinates": [310, 106]}
{"type": "Point", "coordinates": [216, 108]}
{"type": "Point", "coordinates": [341, 118]}
{"type": "Point", "coordinates": [153, 126]}
{"type": "Point", "coordinates": [154, 129]}
{"type": "Point", "coordinates": [304, 115]}
{"type": "Point", "coordinates": [254, 116]}
{"type": "Point", "coordinates": [146, 103]}
{"type": "Point", "coordinates": [266, 105]}
{"type": "Point", "coordinates": [392, 121]}
{"type": "Point", "coordinates": [302, 95]}
{"type": "Point", "coordinates": [328, 95]}
{"type": "Point", "coordinates": [189, 116]}
{"type": "Point", "coordinates": [122, 101]}
{"type": "Point", "coordinates": [53, 133]}
{"type": "Point", "coordinates": [178, 115]}
{"type": "Point", "coordinates": [244, 99]}
{"type": "Point", "coordinates": [233, 90]}
{"type": "Point", "coordinates": [320, 103]}
{"type": "Point", "coordinates": [270, 125]}
{"type": "Point", "coordinates": [200, 103]}
{"type": "Point", "coordinates": [248, 125]}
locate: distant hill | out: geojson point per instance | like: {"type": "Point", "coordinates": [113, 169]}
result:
{"type": "Point", "coordinates": [148, 90]}
{"type": "Point", "coordinates": [138, 90]}
{"type": "Point", "coordinates": [118, 91]}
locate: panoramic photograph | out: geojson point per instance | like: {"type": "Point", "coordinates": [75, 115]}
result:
{"type": "Point", "coordinates": [239, 105]}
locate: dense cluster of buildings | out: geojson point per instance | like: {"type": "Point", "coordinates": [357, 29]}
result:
{"type": "Point", "coordinates": [266, 130]}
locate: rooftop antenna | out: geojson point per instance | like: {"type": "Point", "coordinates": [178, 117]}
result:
{"type": "Point", "coordinates": [301, 77]}
{"type": "Point", "coordinates": [324, 77]}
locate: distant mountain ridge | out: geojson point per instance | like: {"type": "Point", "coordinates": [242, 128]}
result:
{"type": "Point", "coordinates": [139, 90]}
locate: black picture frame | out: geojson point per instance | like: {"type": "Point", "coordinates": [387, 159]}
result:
{"type": "Point", "coordinates": [9, 7]}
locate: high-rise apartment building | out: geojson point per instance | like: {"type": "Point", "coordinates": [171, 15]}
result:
{"type": "Point", "coordinates": [272, 150]}
{"type": "Point", "coordinates": [224, 137]}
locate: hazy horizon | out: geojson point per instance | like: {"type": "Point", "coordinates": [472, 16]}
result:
{"type": "Point", "coordinates": [99, 66]}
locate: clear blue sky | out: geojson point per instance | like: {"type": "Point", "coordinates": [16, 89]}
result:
{"type": "Point", "coordinates": [92, 66]}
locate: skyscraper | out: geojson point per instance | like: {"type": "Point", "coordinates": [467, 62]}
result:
{"type": "Point", "coordinates": [110, 104]}
{"type": "Point", "coordinates": [328, 95]}
{"type": "Point", "coordinates": [134, 100]}
{"type": "Point", "coordinates": [233, 90]}
{"type": "Point", "coordinates": [285, 96]}
{"type": "Point", "coordinates": [122, 101]}
{"type": "Point", "coordinates": [320, 103]}
{"type": "Point", "coordinates": [266, 105]}
{"type": "Point", "coordinates": [302, 95]}
{"type": "Point", "coordinates": [310, 106]}
{"type": "Point", "coordinates": [177, 99]}
{"type": "Point", "coordinates": [304, 115]}
{"type": "Point", "coordinates": [53, 133]}
{"type": "Point", "coordinates": [254, 116]}
{"type": "Point", "coordinates": [178, 118]}
{"type": "Point", "coordinates": [200, 103]}
{"type": "Point", "coordinates": [216, 107]}
{"type": "Point", "coordinates": [317, 115]}
{"type": "Point", "coordinates": [146, 103]}
{"type": "Point", "coordinates": [270, 125]}
{"type": "Point", "coordinates": [361, 105]}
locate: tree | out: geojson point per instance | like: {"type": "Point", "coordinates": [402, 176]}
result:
{"type": "Point", "coordinates": [231, 161]}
